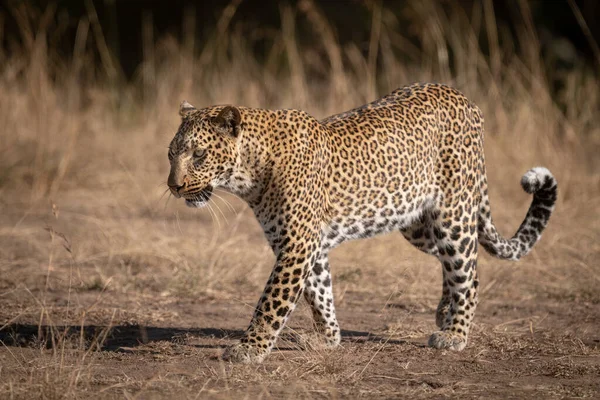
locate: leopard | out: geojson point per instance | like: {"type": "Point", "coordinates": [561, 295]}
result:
{"type": "Point", "coordinates": [410, 162]}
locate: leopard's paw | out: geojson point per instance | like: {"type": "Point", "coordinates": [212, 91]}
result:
{"type": "Point", "coordinates": [245, 353]}
{"type": "Point", "coordinates": [318, 341]}
{"type": "Point", "coordinates": [447, 340]}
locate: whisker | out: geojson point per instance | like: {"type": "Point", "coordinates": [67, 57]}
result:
{"type": "Point", "coordinates": [163, 195]}
{"type": "Point", "coordinates": [227, 203]}
{"type": "Point", "coordinates": [167, 201]}
{"type": "Point", "coordinates": [156, 203]}
{"type": "Point", "coordinates": [178, 224]}
{"type": "Point", "coordinates": [212, 218]}
{"type": "Point", "coordinates": [231, 193]}
{"type": "Point", "coordinates": [219, 208]}
{"type": "Point", "coordinates": [216, 217]}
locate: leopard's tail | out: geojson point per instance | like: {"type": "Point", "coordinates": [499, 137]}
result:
{"type": "Point", "coordinates": [541, 183]}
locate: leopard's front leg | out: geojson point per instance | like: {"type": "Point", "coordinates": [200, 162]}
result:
{"type": "Point", "coordinates": [283, 289]}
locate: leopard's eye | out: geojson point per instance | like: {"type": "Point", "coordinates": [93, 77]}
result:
{"type": "Point", "coordinates": [199, 153]}
{"type": "Point", "coordinates": [199, 157]}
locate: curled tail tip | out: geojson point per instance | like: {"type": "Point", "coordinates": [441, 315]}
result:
{"type": "Point", "coordinates": [541, 183]}
{"type": "Point", "coordinates": [536, 179]}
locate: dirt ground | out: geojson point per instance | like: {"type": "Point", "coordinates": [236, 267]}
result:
{"type": "Point", "coordinates": [109, 289]}
{"type": "Point", "coordinates": [115, 299]}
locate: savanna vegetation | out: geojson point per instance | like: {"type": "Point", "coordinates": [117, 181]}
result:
{"type": "Point", "coordinates": [110, 289]}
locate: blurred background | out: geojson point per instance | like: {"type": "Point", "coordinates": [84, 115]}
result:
{"type": "Point", "coordinates": [89, 98]}
{"type": "Point", "coordinates": [88, 69]}
{"type": "Point", "coordinates": [90, 94]}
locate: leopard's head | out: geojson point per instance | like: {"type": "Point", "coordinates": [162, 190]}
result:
{"type": "Point", "coordinates": [204, 152]}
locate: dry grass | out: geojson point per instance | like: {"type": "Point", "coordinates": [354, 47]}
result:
{"type": "Point", "coordinates": [89, 239]}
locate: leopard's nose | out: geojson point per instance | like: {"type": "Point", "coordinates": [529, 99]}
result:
{"type": "Point", "coordinates": [177, 187]}
{"type": "Point", "coordinates": [177, 184]}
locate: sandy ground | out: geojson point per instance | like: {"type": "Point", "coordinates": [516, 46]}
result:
{"type": "Point", "coordinates": [115, 299]}
{"type": "Point", "coordinates": [109, 289]}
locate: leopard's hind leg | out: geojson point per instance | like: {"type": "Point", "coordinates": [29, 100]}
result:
{"type": "Point", "coordinates": [455, 233]}
{"type": "Point", "coordinates": [452, 238]}
{"type": "Point", "coordinates": [420, 234]}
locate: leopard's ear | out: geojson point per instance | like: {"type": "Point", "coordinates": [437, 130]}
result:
{"type": "Point", "coordinates": [228, 121]}
{"type": "Point", "coordinates": [186, 108]}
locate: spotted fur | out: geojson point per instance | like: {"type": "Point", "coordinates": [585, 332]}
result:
{"type": "Point", "coordinates": [411, 161]}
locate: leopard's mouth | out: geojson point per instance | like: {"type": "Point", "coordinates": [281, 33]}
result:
{"type": "Point", "coordinates": [198, 198]}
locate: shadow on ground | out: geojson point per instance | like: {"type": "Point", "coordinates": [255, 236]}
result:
{"type": "Point", "coordinates": [119, 338]}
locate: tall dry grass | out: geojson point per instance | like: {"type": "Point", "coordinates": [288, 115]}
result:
{"type": "Point", "coordinates": [83, 153]}
{"type": "Point", "coordinates": [56, 109]}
